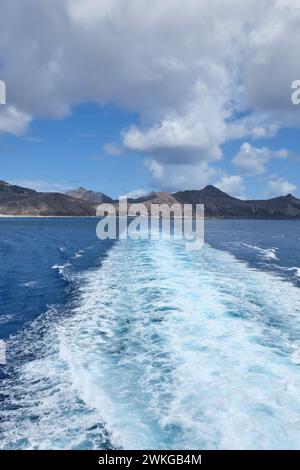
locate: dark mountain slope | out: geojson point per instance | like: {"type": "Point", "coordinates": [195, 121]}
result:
{"type": "Point", "coordinates": [219, 204]}
{"type": "Point", "coordinates": [15, 200]}
{"type": "Point", "coordinates": [278, 207]}
{"type": "Point", "coordinates": [216, 202]}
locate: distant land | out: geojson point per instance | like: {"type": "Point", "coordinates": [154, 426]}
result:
{"type": "Point", "coordinates": [88, 195]}
{"type": "Point", "coordinates": [15, 200]}
{"type": "Point", "coordinates": [18, 201]}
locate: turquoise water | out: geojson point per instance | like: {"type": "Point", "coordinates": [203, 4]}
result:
{"type": "Point", "coordinates": [142, 344]}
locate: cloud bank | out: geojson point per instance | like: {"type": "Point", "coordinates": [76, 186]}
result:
{"type": "Point", "coordinates": [198, 75]}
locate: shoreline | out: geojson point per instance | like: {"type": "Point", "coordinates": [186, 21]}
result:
{"type": "Point", "coordinates": [13, 216]}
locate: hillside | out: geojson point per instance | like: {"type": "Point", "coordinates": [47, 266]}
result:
{"type": "Point", "coordinates": [16, 200]}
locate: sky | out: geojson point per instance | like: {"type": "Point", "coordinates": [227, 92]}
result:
{"type": "Point", "coordinates": [129, 96]}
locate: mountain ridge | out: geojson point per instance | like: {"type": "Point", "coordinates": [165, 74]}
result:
{"type": "Point", "coordinates": [16, 200]}
{"type": "Point", "coordinates": [89, 195]}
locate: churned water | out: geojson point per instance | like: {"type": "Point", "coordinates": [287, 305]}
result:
{"type": "Point", "coordinates": [142, 344]}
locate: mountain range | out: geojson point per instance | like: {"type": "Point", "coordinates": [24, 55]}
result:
{"type": "Point", "coordinates": [16, 200]}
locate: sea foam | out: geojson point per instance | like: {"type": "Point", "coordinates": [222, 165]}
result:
{"type": "Point", "coordinates": [166, 349]}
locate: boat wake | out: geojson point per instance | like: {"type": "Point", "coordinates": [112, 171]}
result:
{"type": "Point", "coordinates": [161, 348]}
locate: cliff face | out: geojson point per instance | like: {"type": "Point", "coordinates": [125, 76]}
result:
{"type": "Point", "coordinates": [15, 200]}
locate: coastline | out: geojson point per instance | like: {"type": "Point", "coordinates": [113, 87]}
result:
{"type": "Point", "coordinates": [13, 216]}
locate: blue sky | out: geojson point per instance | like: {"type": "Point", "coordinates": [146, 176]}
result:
{"type": "Point", "coordinates": [84, 149]}
{"type": "Point", "coordinates": [71, 152]}
{"type": "Point", "coordinates": [104, 96]}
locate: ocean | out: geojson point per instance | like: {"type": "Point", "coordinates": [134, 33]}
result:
{"type": "Point", "coordinates": [140, 344]}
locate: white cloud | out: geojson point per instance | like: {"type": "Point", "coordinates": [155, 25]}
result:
{"type": "Point", "coordinates": [252, 161]}
{"type": "Point", "coordinates": [212, 72]}
{"type": "Point", "coordinates": [280, 187]}
{"type": "Point", "coordinates": [90, 12]}
{"type": "Point", "coordinates": [135, 194]}
{"type": "Point", "coordinates": [13, 121]}
{"type": "Point", "coordinates": [175, 177]}
{"type": "Point", "coordinates": [233, 185]}
{"type": "Point", "coordinates": [186, 137]}
{"type": "Point", "coordinates": [156, 169]}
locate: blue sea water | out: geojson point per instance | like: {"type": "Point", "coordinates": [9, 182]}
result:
{"type": "Point", "coordinates": [142, 344]}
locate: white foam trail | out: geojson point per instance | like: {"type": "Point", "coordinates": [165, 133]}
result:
{"type": "Point", "coordinates": [7, 318]}
{"type": "Point", "coordinates": [30, 284]}
{"type": "Point", "coordinates": [293, 269]}
{"type": "Point", "coordinates": [170, 349]}
{"type": "Point", "coordinates": [266, 253]}
{"type": "Point", "coordinates": [180, 350]}
{"type": "Point", "coordinates": [62, 270]}
{"type": "Point", "coordinates": [40, 409]}
{"type": "Point", "coordinates": [297, 271]}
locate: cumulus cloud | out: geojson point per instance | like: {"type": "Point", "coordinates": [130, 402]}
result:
{"type": "Point", "coordinates": [13, 121]}
{"type": "Point", "coordinates": [174, 177]}
{"type": "Point", "coordinates": [280, 187]}
{"type": "Point", "coordinates": [197, 74]}
{"type": "Point", "coordinates": [233, 185]}
{"type": "Point", "coordinates": [252, 161]}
